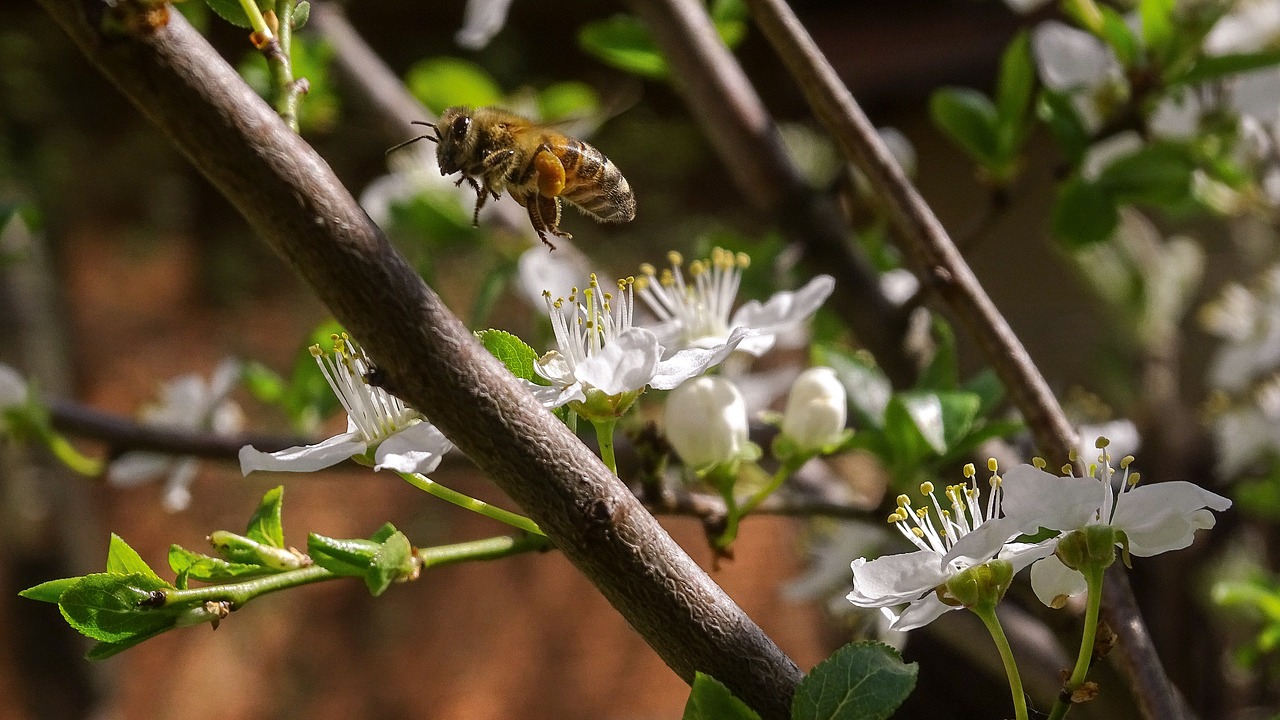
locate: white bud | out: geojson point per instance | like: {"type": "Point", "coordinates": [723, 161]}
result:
{"type": "Point", "coordinates": [706, 422]}
{"type": "Point", "coordinates": [13, 389]}
{"type": "Point", "coordinates": [816, 409]}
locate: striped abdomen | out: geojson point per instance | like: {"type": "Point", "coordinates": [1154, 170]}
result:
{"type": "Point", "coordinates": [592, 183]}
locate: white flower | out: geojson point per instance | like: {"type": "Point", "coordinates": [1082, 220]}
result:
{"type": "Point", "coordinates": [602, 357]}
{"type": "Point", "coordinates": [1075, 62]}
{"type": "Point", "coordinates": [912, 578]}
{"type": "Point", "coordinates": [698, 315]}
{"type": "Point", "coordinates": [13, 388]}
{"type": "Point", "coordinates": [539, 272]}
{"type": "Point", "coordinates": [187, 402]}
{"type": "Point", "coordinates": [481, 20]}
{"type": "Point", "coordinates": [1155, 518]}
{"type": "Point", "coordinates": [1248, 319]}
{"type": "Point", "coordinates": [1251, 26]}
{"type": "Point", "coordinates": [706, 422]}
{"type": "Point", "coordinates": [816, 410]}
{"type": "Point", "coordinates": [398, 436]}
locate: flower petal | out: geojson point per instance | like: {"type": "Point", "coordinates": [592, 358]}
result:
{"type": "Point", "coordinates": [893, 579]}
{"type": "Point", "coordinates": [624, 365]}
{"type": "Point", "coordinates": [981, 544]}
{"type": "Point", "coordinates": [177, 489]}
{"type": "Point", "coordinates": [692, 362]}
{"type": "Point", "coordinates": [553, 397]}
{"type": "Point", "coordinates": [1052, 580]}
{"type": "Point", "coordinates": [1165, 516]}
{"type": "Point", "coordinates": [1034, 499]}
{"type": "Point", "coordinates": [921, 613]}
{"type": "Point", "coordinates": [137, 467]}
{"type": "Point", "coordinates": [780, 312]}
{"type": "Point", "coordinates": [416, 449]}
{"type": "Point", "coordinates": [303, 458]}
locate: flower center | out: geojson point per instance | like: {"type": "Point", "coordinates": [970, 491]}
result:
{"type": "Point", "coordinates": [584, 326]}
{"type": "Point", "coordinates": [965, 514]}
{"type": "Point", "coordinates": [376, 413]}
{"type": "Point", "coordinates": [700, 309]}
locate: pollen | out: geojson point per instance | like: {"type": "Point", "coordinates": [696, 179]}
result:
{"type": "Point", "coordinates": [926, 488]}
{"type": "Point", "coordinates": [675, 258]}
{"type": "Point", "coordinates": [992, 465]}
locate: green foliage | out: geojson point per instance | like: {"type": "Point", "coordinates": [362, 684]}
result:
{"type": "Point", "coordinates": [265, 526]}
{"type": "Point", "coordinates": [381, 560]}
{"type": "Point", "coordinates": [711, 700]}
{"type": "Point", "coordinates": [189, 565]}
{"type": "Point", "coordinates": [1158, 174]}
{"type": "Point", "coordinates": [124, 560]}
{"type": "Point", "coordinates": [624, 42]}
{"type": "Point", "coordinates": [111, 606]}
{"type": "Point", "coordinates": [1215, 67]}
{"type": "Point", "coordinates": [567, 100]}
{"type": "Point", "coordinates": [992, 133]}
{"type": "Point", "coordinates": [513, 352]}
{"type": "Point", "coordinates": [233, 12]}
{"type": "Point", "coordinates": [443, 82]}
{"type": "Point", "coordinates": [861, 681]}
{"type": "Point", "coordinates": [1258, 598]}
{"type": "Point", "coordinates": [305, 396]}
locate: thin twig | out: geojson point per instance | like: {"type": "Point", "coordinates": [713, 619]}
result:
{"type": "Point", "coordinates": [292, 198]}
{"type": "Point", "coordinates": [927, 242]}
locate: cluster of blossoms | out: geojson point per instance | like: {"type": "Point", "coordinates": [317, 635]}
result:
{"type": "Point", "coordinates": [1103, 509]}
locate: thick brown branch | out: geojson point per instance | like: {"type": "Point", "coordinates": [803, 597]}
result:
{"type": "Point", "coordinates": [924, 238]}
{"type": "Point", "coordinates": [736, 123]}
{"type": "Point", "coordinates": [292, 198]}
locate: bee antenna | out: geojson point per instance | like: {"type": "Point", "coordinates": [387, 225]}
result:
{"type": "Point", "coordinates": [410, 141]}
{"type": "Point", "coordinates": [423, 122]}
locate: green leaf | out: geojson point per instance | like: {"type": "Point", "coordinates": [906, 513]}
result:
{"type": "Point", "coordinates": [969, 119]}
{"type": "Point", "coordinates": [123, 560]}
{"type": "Point", "coordinates": [730, 19]}
{"type": "Point", "coordinates": [232, 11]}
{"type": "Point", "coordinates": [990, 391]}
{"type": "Point", "coordinates": [1116, 33]}
{"type": "Point", "coordinates": [104, 650]}
{"type": "Point", "coordinates": [240, 549]}
{"type": "Point", "coordinates": [943, 371]}
{"type": "Point", "coordinates": [197, 566]}
{"type": "Point", "coordinates": [1084, 214]}
{"type": "Point", "coordinates": [265, 526]}
{"type": "Point", "coordinates": [927, 414]}
{"type": "Point", "coordinates": [443, 82]}
{"type": "Point", "coordinates": [1013, 94]}
{"type": "Point", "coordinates": [492, 285]}
{"type": "Point", "coordinates": [861, 681]}
{"type": "Point", "coordinates": [710, 700]}
{"type": "Point", "coordinates": [262, 382]}
{"type": "Point", "coordinates": [393, 561]}
{"type": "Point", "coordinates": [1158, 173]}
{"type": "Point", "coordinates": [50, 591]}
{"type": "Point", "coordinates": [959, 411]}
{"type": "Point", "coordinates": [567, 100]}
{"type": "Point", "coordinates": [111, 607]}
{"type": "Point", "coordinates": [1157, 25]}
{"type": "Point", "coordinates": [906, 440]}
{"type": "Point", "coordinates": [1216, 66]}
{"type": "Point", "coordinates": [623, 42]}
{"type": "Point", "coordinates": [1068, 129]}
{"type": "Point", "coordinates": [349, 558]}
{"type": "Point", "coordinates": [513, 352]}
{"type": "Point", "coordinates": [301, 13]}
{"type": "Point", "coordinates": [383, 533]}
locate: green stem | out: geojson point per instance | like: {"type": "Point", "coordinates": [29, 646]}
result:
{"type": "Point", "coordinates": [788, 468]}
{"type": "Point", "coordinates": [256, 21]}
{"type": "Point", "coordinates": [71, 457]}
{"type": "Point", "coordinates": [288, 90]}
{"type": "Point", "coordinates": [723, 478]}
{"type": "Point", "coordinates": [494, 548]}
{"type": "Point", "coordinates": [604, 436]}
{"type": "Point", "coordinates": [988, 615]}
{"type": "Point", "coordinates": [469, 503]}
{"type": "Point", "coordinates": [1093, 580]}
{"type": "Point", "coordinates": [242, 592]}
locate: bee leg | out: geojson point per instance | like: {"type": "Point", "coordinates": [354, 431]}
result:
{"type": "Point", "coordinates": [544, 213]}
{"type": "Point", "coordinates": [550, 172]}
{"type": "Point", "coordinates": [481, 196]}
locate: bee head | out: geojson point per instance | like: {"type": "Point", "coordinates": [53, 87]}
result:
{"type": "Point", "coordinates": [454, 133]}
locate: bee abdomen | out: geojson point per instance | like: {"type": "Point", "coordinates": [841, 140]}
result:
{"type": "Point", "coordinates": [598, 187]}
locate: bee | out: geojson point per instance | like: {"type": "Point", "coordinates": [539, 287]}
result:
{"type": "Point", "coordinates": [496, 150]}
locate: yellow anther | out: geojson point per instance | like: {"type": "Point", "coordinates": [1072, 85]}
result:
{"type": "Point", "coordinates": [642, 283]}
{"type": "Point", "coordinates": [546, 294]}
{"type": "Point", "coordinates": [1039, 462]}
{"type": "Point", "coordinates": [1126, 461]}
{"type": "Point", "coordinates": [667, 279]}
{"type": "Point", "coordinates": [1072, 455]}
{"type": "Point", "coordinates": [647, 269]}
{"type": "Point", "coordinates": [1134, 478]}
{"type": "Point", "coordinates": [744, 260]}
{"type": "Point", "coordinates": [992, 465]}
{"type": "Point", "coordinates": [1093, 468]}
{"type": "Point", "coordinates": [1101, 442]}
{"type": "Point", "coordinates": [995, 481]}
{"type": "Point", "coordinates": [970, 470]}
{"type": "Point", "coordinates": [893, 518]}
{"type": "Point", "coordinates": [917, 532]}
{"type": "Point", "coordinates": [315, 351]}
{"type": "Point", "coordinates": [697, 267]}
{"type": "Point", "coordinates": [904, 501]}
{"type": "Point", "coordinates": [1066, 469]}
{"type": "Point", "coordinates": [675, 258]}
{"type": "Point", "coordinates": [926, 488]}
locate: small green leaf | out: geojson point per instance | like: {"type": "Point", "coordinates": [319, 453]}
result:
{"type": "Point", "coordinates": [969, 119]}
{"type": "Point", "coordinates": [567, 100]}
{"type": "Point", "coordinates": [444, 82]}
{"type": "Point", "coordinates": [50, 591]}
{"type": "Point", "coordinates": [301, 13]}
{"type": "Point", "coordinates": [926, 412]}
{"type": "Point", "coordinates": [1116, 33]}
{"type": "Point", "coordinates": [959, 411]}
{"type": "Point", "coordinates": [513, 352]}
{"type": "Point", "coordinates": [1212, 67]}
{"type": "Point", "coordinates": [711, 700]}
{"type": "Point", "coordinates": [231, 11]}
{"type": "Point", "coordinates": [1159, 173]}
{"type": "Point", "coordinates": [123, 560]}
{"type": "Point", "coordinates": [1013, 94]}
{"type": "Point", "coordinates": [384, 532]}
{"type": "Point", "coordinates": [943, 371]}
{"type": "Point", "coordinates": [350, 557]}
{"type": "Point", "coordinates": [906, 442]}
{"type": "Point", "coordinates": [104, 650]}
{"type": "Point", "coordinates": [623, 42]}
{"type": "Point", "coordinates": [111, 607]}
{"type": "Point", "coordinates": [240, 549]}
{"type": "Point", "coordinates": [393, 561]}
{"type": "Point", "coordinates": [861, 681]}
{"type": "Point", "coordinates": [196, 566]}
{"type": "Point", "coordinates": [1056, 111]}
{"type": "Point", "coordinates": [265, 526]}
{"type": "Point", "coordinates": [262, 382]}
{"type": "Point", "coordinates": [1157, 25]}
{"type": "Point", "coordinates": [987, 386]}
{"type": "Point", "coordinates": [1084, 214]}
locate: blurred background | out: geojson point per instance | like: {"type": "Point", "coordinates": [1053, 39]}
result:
{"type": "Point", "coordinates": [136, 271]}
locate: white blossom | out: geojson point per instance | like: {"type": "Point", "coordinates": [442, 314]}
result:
{"type": "Point", "coordinates": [706, 422]}
{"type": "Point", "coordinates": [816, 410]}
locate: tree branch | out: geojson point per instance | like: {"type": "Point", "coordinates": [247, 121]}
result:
{"type": "Point", "coordinates": [924, 238]}
{"type": "Point", "coordinates": [290, 195]}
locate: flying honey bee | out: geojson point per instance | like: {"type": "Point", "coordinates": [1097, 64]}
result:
{"type": "Point", "coordinates": [496, 150]}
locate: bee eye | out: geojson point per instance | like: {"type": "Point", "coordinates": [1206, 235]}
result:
{"type": "Point", "coordinates": [459, 126]}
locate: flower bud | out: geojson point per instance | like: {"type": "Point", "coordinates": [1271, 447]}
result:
{"type": "Point", "coordinates": [706, 422]}
{"type": "Point", "coordinates": [816, 410]}
{"type": "Point", "coordinates": [1093, 546]}
{"type": "Point", "coordinates": [983, 584]}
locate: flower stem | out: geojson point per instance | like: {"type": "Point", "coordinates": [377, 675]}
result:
{"type": "Point", "coordinates": [494, 548]}
{"type": "Point", "coordinates": [604, 436]}
{"type": "Point", "coordinates": [467, 502]}
{"type": "Point", "coordinates": [242, 592]}
{"type": "Point", "coordinates": [1093, 580]}
{"type": "Point", "coordinates": [788, 468]}
{"type": "Point", "coordinates": [988, 614]}
{"type": "Point", "coordinates": [71, 457]}
{"type": "Point", "coordinates": [256, 20]}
